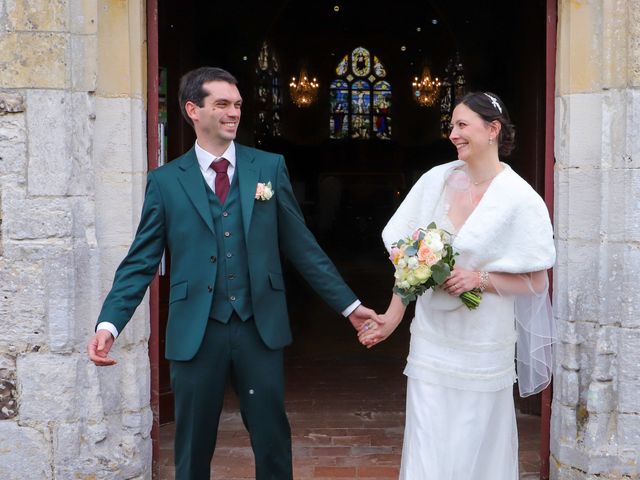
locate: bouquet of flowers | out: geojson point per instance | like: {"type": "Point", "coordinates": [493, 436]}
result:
{"type": "Point", "coordinates": [424, 260]}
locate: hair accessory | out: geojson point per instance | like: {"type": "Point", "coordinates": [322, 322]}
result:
{"type": "Point", "coordinates": [494, 102]}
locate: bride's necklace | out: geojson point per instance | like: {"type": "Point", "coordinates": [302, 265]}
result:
{"type": "Point", "coordinates": [480, 182]}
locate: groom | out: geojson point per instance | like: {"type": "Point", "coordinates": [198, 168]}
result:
{"type": "Point", "coordinates": [224, 211]}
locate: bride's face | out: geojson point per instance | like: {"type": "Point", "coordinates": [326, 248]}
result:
{"type": "Point", "coordinates": [470, 133]}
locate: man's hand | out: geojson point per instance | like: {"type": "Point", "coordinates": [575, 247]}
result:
{"type": "Point", "coordinates": [98, 348]}
{"type": "Point", "coordinates": [372, 334]}
{"type": "Point", "coordinates": [361, 314]}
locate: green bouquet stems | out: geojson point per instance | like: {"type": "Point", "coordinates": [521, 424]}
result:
{"type": "Point", "coordinates": [472, 298]}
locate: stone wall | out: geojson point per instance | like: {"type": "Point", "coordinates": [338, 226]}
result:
{"type": "Point", "coordinates": [72, 167]}
{"type": "Point", "coordinates": [596, 408]}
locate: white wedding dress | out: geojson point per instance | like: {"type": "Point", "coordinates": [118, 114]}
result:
{"type": "Point", "coordinates": [460, 418]}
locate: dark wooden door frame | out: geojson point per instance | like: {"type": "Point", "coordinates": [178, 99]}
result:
{"type": "Point", "coordinates": [549, 160]}
{"type": "Point", "coordinates": [153, 155]}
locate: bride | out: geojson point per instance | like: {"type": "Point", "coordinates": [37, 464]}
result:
{"type": "Point", "coordinates": [460, 418]}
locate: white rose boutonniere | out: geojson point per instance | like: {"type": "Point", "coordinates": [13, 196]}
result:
{"type": "Point", "coordinates": [264, 191]}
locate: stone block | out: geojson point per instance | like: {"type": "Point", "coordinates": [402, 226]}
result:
{"type": "Point", "coordinates": [579, 62]}
{"type": "Point", "coordinates": [633, 119]}
{"type": "Point", "coordinates": [13, 144]}
{"type": "Point", "coordinates": [126, 385]}
{"type": "Point", "coordinates": [569, 383]}
{"type": "Point", "coordinates": [8, 398]}
{"type": "Point", "coordinates": [630, 303]}
{"type": "Point", "coordinates": [120, 147]}
{"type": "Point", "coordinates": [577, 281]}
{"type": "Point", "coordinates": [34, 218]}
{"type": "Point", "coordinates": [601, 397]}
{"type": "Point", "coordinates": [617, 114]}
{"type": "Point", "coordinates": [564, 428]}
{"type": "Point", "coordinates": [633, 38]}
{"type": "Point", "coordinates": [628, 371]}
{"type": "Point", "coordinates": [24, 453]}
{"type": "Point", "coordinates": [81, 177]}
{"type": "Point", "coordinates": [11, 103]}
{"type": "Point", "coordinates": [598, 429]}
{"type": "Point", "coordinates": [22, 306]}
{"type": "Point", "coordinates": [632, 206]}
{"type": "Point", "coordinates": [48, 387]}
{"type": "Point", "coordinates": [60, 288]}
{"type": "Point", "coordinates": [629, 430]}
{"type": "Point", "coordinates": [50, 160]}
{"type": "Point", "coordinates": [116, 218]}
{"type": "Point", "coordinates": [42, 65]}
{"type": "Point", "coordinates": [619, 215]}
{"type": "Point", "coordinates": [580, 118]}
{"type": "Point", "coordinates": [84, 64]}
{"type": "Point", "coordinates": [587, 191]}
{"type": "Point", "coordinates": [135, 379]}
{"type": "Point", "coordinates": [120, 57]}
{"type": "Point", "coordinates": [615, 44]}
{"type": "Point", "coordinates": [38, 15]}
{"type": "Point", "coordinates": [84, 16]}
{"type": "Point", "coordinates": [568, 355]}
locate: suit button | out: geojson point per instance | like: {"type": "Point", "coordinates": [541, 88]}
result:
{"type": "Point", "coordinates": [229, 254]}
{"type": "Point", "coordinates": [231, 276]}
{"type": "Point", "coordinates": [232, 298]}
{"type": "Point", "coordinates": [210, 288]}
{"type": "Point", "coordinates": [225, 214]}
{"type": "Point", "coordinates": [227, 234]}
{"type": "Point", "coordinates": [213, 259]}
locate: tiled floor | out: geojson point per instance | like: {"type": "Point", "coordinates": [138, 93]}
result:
{"type": "Point", "coordinates": [347, 421]}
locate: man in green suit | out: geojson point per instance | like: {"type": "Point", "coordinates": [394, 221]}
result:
{"type": "Point", "coordinates": [224, 211]}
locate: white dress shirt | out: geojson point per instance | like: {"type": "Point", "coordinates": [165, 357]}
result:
{"type": "Point", "coordinates": [204, 161]}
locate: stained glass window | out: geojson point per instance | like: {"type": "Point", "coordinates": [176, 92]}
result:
{"type": "Point", "coordinates": [268, 94]}
{"type": "Point", "coordinates": [453, 89]}
{"type": "Point", "coordinates": [360, 100]}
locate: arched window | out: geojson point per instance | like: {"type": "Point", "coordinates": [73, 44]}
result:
{"type": "Point", "coordinates": [268, 94]}
{"type": "Point", "coordinates": [360, 99]}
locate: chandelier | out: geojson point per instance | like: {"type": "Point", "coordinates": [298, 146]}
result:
{"type": "Point", "coordinates": [303, 91]}
{"type": "Point", "coordinates": [425, 89]}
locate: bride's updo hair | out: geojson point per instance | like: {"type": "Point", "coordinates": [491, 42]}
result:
{"type": "Point", "coordinates": [489, 106]}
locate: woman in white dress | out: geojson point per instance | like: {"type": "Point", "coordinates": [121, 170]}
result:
{"type": "Point", "coordinates": [460, 419]}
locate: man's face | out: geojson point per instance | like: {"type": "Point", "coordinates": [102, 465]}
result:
{"type": "Point", "coordinates": [218, 118]}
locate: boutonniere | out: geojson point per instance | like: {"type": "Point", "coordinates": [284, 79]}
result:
{"type": "Point", "coordinates": [264, 191]}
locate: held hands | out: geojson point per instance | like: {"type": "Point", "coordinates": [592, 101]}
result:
{"type": "Point", "coordinates": [98, 348]}
{"type": "Point", "coordinates": [362, 315]}
{"type": "Point", "coordinates": [371, 334]}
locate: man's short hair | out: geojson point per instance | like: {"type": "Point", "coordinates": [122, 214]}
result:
{"type": "Point", "coordinates": [191, 86]}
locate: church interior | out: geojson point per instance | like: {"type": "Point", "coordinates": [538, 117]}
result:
{"type": "Point", "coordinates": [367, 122]}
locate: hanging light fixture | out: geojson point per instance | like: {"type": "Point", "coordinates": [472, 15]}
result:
{"type": "Point", "coordinates": [303, 91]}
{"type": "Point", "coordinates": [426, 90]}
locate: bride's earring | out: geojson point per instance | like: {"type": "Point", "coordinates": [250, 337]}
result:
{"type": "Point", "coordinates": [490, 141]}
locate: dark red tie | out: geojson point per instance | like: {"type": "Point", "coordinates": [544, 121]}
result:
{"type": "Point", "coordinates": [222, 179]}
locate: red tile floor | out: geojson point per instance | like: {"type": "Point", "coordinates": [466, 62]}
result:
{"type": "Point", "coordinates": [345, 403]}
{"type": "Point", "coordinates": [347, 419]}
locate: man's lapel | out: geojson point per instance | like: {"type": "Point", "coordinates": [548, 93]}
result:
{"type": "Point", "coordinates": [192, 183]}
{"type": "Point", "coordinates": [248, 175]}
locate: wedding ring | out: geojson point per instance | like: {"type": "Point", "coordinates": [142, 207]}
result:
{"type": "Point", "coordinates": [455, 285]}
{"type": "Point", "coordinates": [366, 327]}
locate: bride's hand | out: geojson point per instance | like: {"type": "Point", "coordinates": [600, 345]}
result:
{"type": "Point", "coordinates": [461, 281]}
{"type": "Point", "coordinates": [372, 333]}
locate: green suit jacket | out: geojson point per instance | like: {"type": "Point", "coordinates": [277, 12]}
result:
{"type": "Point", "coordinates": [176, 216]}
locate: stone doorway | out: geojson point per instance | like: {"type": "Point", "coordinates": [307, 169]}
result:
{"type": "Point", "coordinates": [517, 74]}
